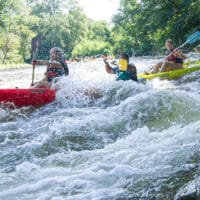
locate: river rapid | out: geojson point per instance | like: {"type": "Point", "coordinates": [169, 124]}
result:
{"type": "Point", "coordinates": [137, 141]}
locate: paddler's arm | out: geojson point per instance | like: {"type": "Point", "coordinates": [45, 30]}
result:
{"type": "Point", "coordinates": [48, 63]}
{"type": "Point", "coordinates": [179, 54]}
{"type": "Point", "coordinates": [108, 68]}
{"type": "Point", "coordinates": [39, 62]}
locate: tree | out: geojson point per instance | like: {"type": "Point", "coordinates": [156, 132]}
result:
{"type": "Point", "coordinates": [63, 27]}
{"type": "Point", "coordinates": [146, 25]}
{"type": "Point", "coordinates": [14, 32]}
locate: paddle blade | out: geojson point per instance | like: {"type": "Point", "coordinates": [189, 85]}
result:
{"type": "Point", "coordinates": [193, 38]}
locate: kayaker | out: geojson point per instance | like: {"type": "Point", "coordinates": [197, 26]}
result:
{"type": "Point", "coordinates": [56, 67]}
{"type": "Point", "coordinates": [123, 69]}
{"type": "Point", "coordinates": [173, 61]}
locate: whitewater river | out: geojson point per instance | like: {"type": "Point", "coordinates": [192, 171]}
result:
{"type": "Point", "coordinates": [138, 141]}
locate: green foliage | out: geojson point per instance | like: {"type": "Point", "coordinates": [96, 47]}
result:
{"type": "Point", "coordinates": [10, 46]}
{"type": "Point", "coordinates": [90, 48]}
{"type": "Point", "coordinates": [96, 40]}
{"type": "Point", "coordinates": [146, 25]}
{"type": "Point", "coordinates": [14, 32]}
{"type": "Point", "coordinates": [63, 28]}
{"type": "Point", "coordinates": [139, 27]}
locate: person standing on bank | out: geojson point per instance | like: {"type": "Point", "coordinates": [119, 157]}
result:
{"type": "Point", "coordinates": [123, 69]}
{"type": "Point", "coordinates": [56, 67]}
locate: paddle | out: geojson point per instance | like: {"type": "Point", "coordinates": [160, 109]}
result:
{"type": "Point", "coordinates": [190, 39]}
{"type": "Point", "coordinates": [35, 43]}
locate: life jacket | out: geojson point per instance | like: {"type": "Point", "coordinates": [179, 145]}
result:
{"type": "Point", "coordinates": [127, 75]}
{"type": "Point", "coordinates": [173, 58]}
{"type": "Point", "coordinates": [54, 69]}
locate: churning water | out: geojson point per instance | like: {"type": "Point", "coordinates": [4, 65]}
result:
{"type": "Point", "coordinates": [137, 141]}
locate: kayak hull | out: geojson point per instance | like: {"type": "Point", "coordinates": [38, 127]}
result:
{"type": "Point", "coordinates": [172, 74]}
{"type": "Point", "coordinates": [35, 97]}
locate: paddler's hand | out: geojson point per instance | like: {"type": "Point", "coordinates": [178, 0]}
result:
{"type": "Point", "coordinates": [40, 62]}
{"type": "Point", "coordinates": [34, 62]}
{"type": "Point", "coordinates": [178, 54]}
{"type": "Point", "coordinates": [176, 51]}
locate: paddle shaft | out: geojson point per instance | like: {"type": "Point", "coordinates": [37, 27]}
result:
{"type": "Point", "coordinates": [33, 75]}
{"type": "Point", "coordinates": [33, 71]}
{"type": "Point", "coordinates": [35, 43]}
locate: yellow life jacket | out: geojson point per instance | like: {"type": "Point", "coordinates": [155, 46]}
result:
{"type": "Point", "coordinates": [123, 64]}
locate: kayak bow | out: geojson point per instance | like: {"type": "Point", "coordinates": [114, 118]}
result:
{"type": "Point", "coordinates": [174, 74]}
{"type": "Point", "coordinates": [35, 97]}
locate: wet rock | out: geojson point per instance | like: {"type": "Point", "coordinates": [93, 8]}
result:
{"type": "Point", "coordinates": [191, 191]}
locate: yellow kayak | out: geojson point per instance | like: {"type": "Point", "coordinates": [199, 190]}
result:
{"type": "Point", "coordinates": [188, 68]}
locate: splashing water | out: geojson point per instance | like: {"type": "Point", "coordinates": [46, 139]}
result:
{"type": "Point", "coordinates": [137, 141]}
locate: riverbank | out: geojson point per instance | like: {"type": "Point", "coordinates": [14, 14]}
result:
{"type": "Point", "coordinates": [14, 66]}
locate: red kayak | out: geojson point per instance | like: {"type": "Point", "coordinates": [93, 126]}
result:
{"type": "Point", "coordinates": [35, 97]}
